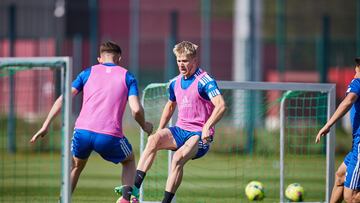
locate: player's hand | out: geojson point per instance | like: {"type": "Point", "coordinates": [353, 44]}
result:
{"type": "Point", "coordinates": [205, 135]}
{"type": "Point", "coordinates": [41, 133]}
{"type": "Point", "coordinates": [148, 127]}
{"type": "Point", "coordinates": [325, 130]}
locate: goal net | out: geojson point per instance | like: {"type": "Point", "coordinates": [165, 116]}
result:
{"type": "Point", "coordinates": [32, 173]}
{"type": "Point", "coordinates": [267, 134]}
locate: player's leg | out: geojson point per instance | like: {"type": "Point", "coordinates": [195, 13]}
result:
{"type": "Point", "coordinates": [128, 172]}
{"type": "Point", "coordinates": [181, 156]}
{"type": "Point", "coordinates": [162, 139]}
{"type": "Point", "coordinates": [337, 192]}
{"type": "Point", "coordinates": [77, 166]}
{"type": "Point", "coordinates": [128, 176]}
{"type": "Point", "coordinates": [118, 150]}
{"type": "Point", "coordinates": [81, 149]}
{"type": "Point", "coordinates": [352, 182]}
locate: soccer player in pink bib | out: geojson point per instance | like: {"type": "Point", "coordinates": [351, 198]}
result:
{"type": "Point", "coordinates": [107, 87]}
{"type": "Point", "coordinates": [200, 107]}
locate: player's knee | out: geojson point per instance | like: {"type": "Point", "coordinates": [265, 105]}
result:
{"type": "Point", "coordinates": [178, 161]}
{"type": "Point", "coordinates": [152, 142]}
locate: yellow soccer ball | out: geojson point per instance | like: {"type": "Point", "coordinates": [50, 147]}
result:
{"type": "Point", "coordinates": [295, 192]}
{"type": "Point", "coordinates": [254, 191]}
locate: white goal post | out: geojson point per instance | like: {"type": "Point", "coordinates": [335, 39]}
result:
{"type": "Point", "coordinates": [65, 65]}
{"type": "Point", "coordinates": [238, 89]}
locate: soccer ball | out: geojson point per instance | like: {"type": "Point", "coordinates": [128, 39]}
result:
{"type": "Point", "coordinates": [254, 191]}
{"type": "Point", "coordinates": [295, 192]}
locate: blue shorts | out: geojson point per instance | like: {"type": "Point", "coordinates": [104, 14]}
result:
{"type": "Point", "coordinates": [111, 148]}
{"type": "Point", "coordinates": [352, 167]}
{"type": "Point", "coordinates": [181, 136]}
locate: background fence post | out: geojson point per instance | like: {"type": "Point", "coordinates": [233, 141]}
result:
{"type": "Point", "coordinates": [11, 128]}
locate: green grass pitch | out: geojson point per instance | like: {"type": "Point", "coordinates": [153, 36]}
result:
{"type": "Point", "coordinates": [41, 184]}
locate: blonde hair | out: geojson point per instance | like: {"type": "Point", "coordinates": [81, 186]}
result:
{"type": "Point", "coordinates": [187, 48]}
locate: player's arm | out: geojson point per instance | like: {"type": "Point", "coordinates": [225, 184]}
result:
{"type": "Point", "coordinates": [137, 112]}
{"type": "Point", "coordinates": [54, 111]}
{"type": "Point", "coordinates": [216, 115]}
{"type": "Point", "coordinates": [167, 113]}
{"type": "Point", "coordinates": [136, 108]}
{"type": "Point", "coordinates": [77, 86]}
{"type": "Point", "coordinates": [170, 106]}
{"type": "Point", "coordinates": [344, 107]}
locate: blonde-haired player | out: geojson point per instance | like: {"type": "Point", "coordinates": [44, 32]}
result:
{"type": "Point", "coordinates": [200, 106]}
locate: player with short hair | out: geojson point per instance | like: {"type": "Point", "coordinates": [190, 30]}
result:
{"type": "Point", "coordinates": [200, 107]}
{"type": "Point", "coordinates": [107, 87]}
{"type": "Point", "coordinates": [347, 182]}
